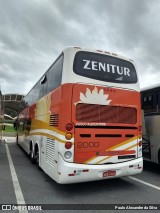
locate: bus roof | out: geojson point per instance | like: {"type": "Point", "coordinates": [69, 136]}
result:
{"type": "Point", "coordinates": [98, 51]}
{"type": "Point", "coordinates": [151, 87]}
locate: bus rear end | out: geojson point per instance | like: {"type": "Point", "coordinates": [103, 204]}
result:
{"type": "Point", "coordinates": [103, 120]}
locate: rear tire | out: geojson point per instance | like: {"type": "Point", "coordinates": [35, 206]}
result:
{"type": "Point", "coordinates": [17, 140]}
{"type": "Point", "coordinates": [37, 156]}
{"type": "Point", "coordinates": [32, 156]}
{"type": "Point", "coordinates": [159, 157]}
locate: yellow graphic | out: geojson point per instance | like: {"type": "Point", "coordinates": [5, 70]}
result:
{"type": "Point", "coordinates": [114, 147]}
{"type": "Point", "coordinates": [135, 145]}
{"type": "Point", "coordinates": [42, 111]}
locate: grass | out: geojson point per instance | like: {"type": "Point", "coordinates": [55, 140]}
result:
{"type": "Point", "coordinates": [9, 129]}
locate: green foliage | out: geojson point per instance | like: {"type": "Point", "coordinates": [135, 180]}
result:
{"type": "Point", "coordinates": [12, 108]}
{"type": "Point", "coordinates": [9, 129]}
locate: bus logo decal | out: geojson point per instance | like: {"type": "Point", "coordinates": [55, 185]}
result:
{"type": "Point", "coordinates": [99, 66]}
{"type": "Point", "coordinates": [94, 97]}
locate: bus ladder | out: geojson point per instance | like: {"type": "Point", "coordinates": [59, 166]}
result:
{"type": "Point", "coordinates": [146, 148]}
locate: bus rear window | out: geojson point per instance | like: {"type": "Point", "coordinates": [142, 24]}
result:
{"type": "Point", "coordinates": [104, 68]}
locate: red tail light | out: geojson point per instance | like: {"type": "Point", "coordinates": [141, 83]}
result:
{"type": "Point", "coordinates": [69, 127]}
{"type": "Point", "coordinates": [140, 128]}
{"type": "Point", "coordinates": [140, 143]}
{"type": "Point", "coordinates": [68, 145]}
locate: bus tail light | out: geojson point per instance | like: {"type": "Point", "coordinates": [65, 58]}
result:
{"type": "Point", "coordinates": [140, 143]}
{"type": "Point", "coordinates": [140, 136]}
{"type": "Point", "coordinates": [68, 135]}
{"type": "Point", "coordinates": [69, 127]}
{"type": "Point", "coordinates": [68, 145]}
{"type": "Point", "coordinates": [140, 128]}
{"type": "Point", "coordinates": [86, 170]}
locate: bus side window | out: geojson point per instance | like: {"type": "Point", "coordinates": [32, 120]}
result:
{"type": "Point", "coordinates": [43, 86]}
{"type": "Point", "coordinates": [55, 74]}
{"type": "Point", "coordinates": [155, 102]}
{"type": "Point", "coordinates": [158, 101]}
{"type": "Point", "coordinates": [148, 103]}
{"type": "Point", "coordinates": [143, 101]}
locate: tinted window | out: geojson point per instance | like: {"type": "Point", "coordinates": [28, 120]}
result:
{"type": "Point", "coordinates": [50, 80]}
{"type": "Point", "coordinates": [43, 86]}
{"type": "Point", "coordinates": [104, 68]}
{"type": "Point", "coordinates": [55, 74]}
{"type": "Point", "coordinates": [151, 101]}
{"type": "Point", "coordinates": [33, 95]}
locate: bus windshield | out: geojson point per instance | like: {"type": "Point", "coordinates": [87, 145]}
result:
{"type": "Point", "coordinates": [104, 68]}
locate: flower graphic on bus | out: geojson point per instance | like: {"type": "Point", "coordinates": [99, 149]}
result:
{"type": "Point", "coordinates": [94, 97]}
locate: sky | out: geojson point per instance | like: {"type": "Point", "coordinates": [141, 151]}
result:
{"type": "Point", "coordinates": [34, 32]}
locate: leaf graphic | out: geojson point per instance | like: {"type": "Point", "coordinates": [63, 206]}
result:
{"type": "Point", "coordinates": [82, 97]}
{"type": "Point", "coordinates": [95, 91]}
{"type": "Point", "coordinates": [88, 93]}
{"type": "Point", "coordinates": [94, 97]}
{"type": "Point", "coordinates": [101, 92]}
{"type": "Point", "coordinates": [106, 96]}
{"type": "Point", "coordinates": [108, 102]}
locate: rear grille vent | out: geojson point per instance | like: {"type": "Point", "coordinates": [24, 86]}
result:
{"type": "Point", "coordinates": [50, 144]}
{"type": "Point", "coordinates": [85, 135]}
{"type": "Point", "coordinates": [105, 114]}
{"type": "Point", "coordinates": [129, 136]}
{"type": "Point", "coordinates": [108, 135]}
{"type": "Point", "coordinates": [126, 157]}
{"type": "Point", "coordinates": [54, 120]}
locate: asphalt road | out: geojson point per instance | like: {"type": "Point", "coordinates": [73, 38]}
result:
{"type": "Point", "coordinates": [32, 186]}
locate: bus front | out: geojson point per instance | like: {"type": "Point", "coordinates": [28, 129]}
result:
{"type": "Point", "coordinates": [101, 117]}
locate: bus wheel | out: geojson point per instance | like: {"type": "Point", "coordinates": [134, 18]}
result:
{"type": "Point", "coordinates": [37, 155]}
{"type": "Point", "coordinates": [17, 139]}
{"type": "Point", "coordinates": [32, 156]}
{"type": "Point", "coordinates": [159, 157]}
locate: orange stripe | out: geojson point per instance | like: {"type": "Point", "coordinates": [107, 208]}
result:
{"type": "Point", "coordinates": [123, 143]}
{"type": "Point", "coordinates": [113, 147]}
{"type": "Point", "coordinates": [116, 152]}
{"type": "Point", "coordinates": [112, 156]}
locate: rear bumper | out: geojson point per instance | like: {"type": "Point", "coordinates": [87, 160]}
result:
{"type": "Point", "coordinates": [74, 173]}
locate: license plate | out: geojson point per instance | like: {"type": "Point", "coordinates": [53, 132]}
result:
{"type": "Point", "coordinates": [109, 173]}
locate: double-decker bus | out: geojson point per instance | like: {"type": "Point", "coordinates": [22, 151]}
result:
{"type": "Point", "coordinates": [150, 97]}
{"type": "Point", "coordinates": [82, 119]}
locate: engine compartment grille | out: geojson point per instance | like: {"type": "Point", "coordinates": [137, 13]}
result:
{"type": "Point", "coordinates": [105, 114]}
{"type": "Point", "coordinates": [50, 144]}
{"type": "Point", "coordinates": [54, 118]}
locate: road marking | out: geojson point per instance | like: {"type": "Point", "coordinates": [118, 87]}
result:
{"type": "Point", "coordinates": [17, 188]}
{"type": "Point", "coordinates": [145, 183]}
